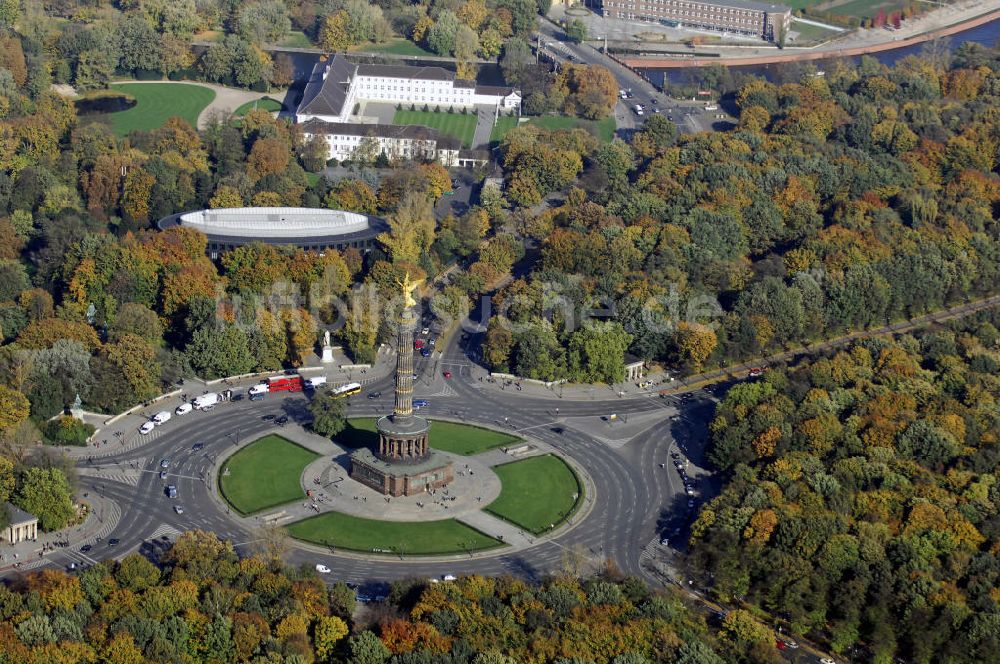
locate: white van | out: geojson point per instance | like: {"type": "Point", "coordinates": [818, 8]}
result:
{"type": "Point", "coordinates": [260, 388]}
{"type": "Point", "coordinates": [313, 383]}
{"type": "Point", "coordinates": [206, 401]}
{"type": "Point", "coordinates": [711, 107]}
{"type": "Point", "coordinates": [146, 428]}
{"type": "Point", "coordinates": [161, 417]}
{"type": "Point", "coordinates": [183, 409]}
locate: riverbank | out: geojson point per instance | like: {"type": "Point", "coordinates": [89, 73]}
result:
{"type": "Point", "coordinates": [732, 57]}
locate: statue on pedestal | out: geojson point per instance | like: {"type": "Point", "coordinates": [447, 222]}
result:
{"type": "Point", "coordinates": [327, 348]}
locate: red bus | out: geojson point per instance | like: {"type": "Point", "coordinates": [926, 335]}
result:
{"type": "Point", "coordinates": [284, 383]}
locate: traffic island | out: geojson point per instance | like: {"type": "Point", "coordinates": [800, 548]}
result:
{"type": "Point", "coordinates": [264, 474]}
{"type": "Point", "coordinates": [344, 531]}
{"type": "Point", "coordinates": [538, 493]}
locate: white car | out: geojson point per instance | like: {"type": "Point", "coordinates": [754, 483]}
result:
{"type": "Point", "coordinates": [178, 509]}
{"type": "Point", "coordinates": [146, 428]}
{"type": "Point", "coordinates": [161, 417]}
{"type": "Point", "coordinates": [322, 569]}
{"type": "Point", "coordinates": [449, 577]}
{"type": "Point", "coordinates": [826, 660]}
{"type": "Point", "coordinates": [183, 409]}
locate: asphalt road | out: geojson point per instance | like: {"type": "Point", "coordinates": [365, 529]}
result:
{"type": "Point", "coordinates": [632, 491]}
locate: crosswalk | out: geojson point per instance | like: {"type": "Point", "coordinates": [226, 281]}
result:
{"type": "Point", "coordinates": [116, 473]}
{"type": "Point", "coordinates": [164, 530]}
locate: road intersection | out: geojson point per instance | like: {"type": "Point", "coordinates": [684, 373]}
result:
{"type": "Point", "coordinates": [632, 493]}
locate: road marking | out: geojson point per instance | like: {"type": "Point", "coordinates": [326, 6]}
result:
{"type": "Point", "coordinates": [164, 530]}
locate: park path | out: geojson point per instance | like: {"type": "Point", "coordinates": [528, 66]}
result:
{"type": "Point", "coordinates": [226, 99]}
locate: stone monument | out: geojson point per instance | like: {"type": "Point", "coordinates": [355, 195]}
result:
{"type": "Point", "coordinates": [327, 356]}
{"type": "Point", "coordinates": [403, 464]}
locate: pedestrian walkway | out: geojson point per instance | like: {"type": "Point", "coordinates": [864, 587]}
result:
{"type": "Point", "coordinates": [25, 556]}
{"type": "Point", "coordinates": [497, 528]}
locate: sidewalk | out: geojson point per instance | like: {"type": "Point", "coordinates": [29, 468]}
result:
{"type": "Point", "coordinates": [25, 556]}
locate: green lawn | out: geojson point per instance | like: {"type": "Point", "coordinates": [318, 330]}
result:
{"type": "Point", "coordinates": [537, 493]}
{"type": "Point", "coordinates": [451, 437]}
{"type": "Point", "coordinates": [428, 537]}
{"type": "Point", "coordinates": [461, 126]}
{"type": "Point", "coordinates": [397, 46]}
{"type": "Point", "coordinates": [264, 474]}
{"type": "Point", "coordinates": [812, 33]}
{"type": "Point", "coordinates": [158, 102]}
{"type": "Point", "coordinates": [264, 103]}
{"type": "Point", "coordinates": [603, 129]}
{"type": "Point", "coordinates": [296, 39]}
{"type": "Point", "coordinates": [867, 8]}
{"type": "Point", "coordinates": [503, 125]}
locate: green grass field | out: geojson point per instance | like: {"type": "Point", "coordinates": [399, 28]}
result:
{"type": "Point", "coordinates": [424, 538]}
{"type": "Point", "coordinates": [537, 493]}
{"type": "Point", "coordinates": [451, 437]}
{"type": "Point", "coordinates": [503, 125]}
{"type": "Point", "coordinates": [867, 8]}
{"type": "Point", "coordinates": [603, 129]}
{"type": "Point", "coordinates": [265, 474]}
{"type": "Point", "coordinates": [461, 126]}
{"type": "Point", "coordinates": [295, 39]}
{"type": "Point", "coordinates": [158, 102]}
{"type": "Point", "coordinates": [812, 33]}
{"type": "Point", "coordinates": [264, 103]}
{"type": "Point", "coordinates": [397, 46]}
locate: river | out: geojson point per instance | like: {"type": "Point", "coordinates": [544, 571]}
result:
{"type": "Point", "coordinates": [987, 34]}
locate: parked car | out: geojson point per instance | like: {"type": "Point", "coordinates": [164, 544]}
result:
{"type": "Point", "coordinates": [171, 491]}
{"type": "Point", "coordinates": [425, 352]}
{"type": "Point", "coordinates": [322, 569]}
{"type": "Point", "coordinates": [268, 417]}
{"type": "Point", "coordinates": [178, 509]}
{"type": "Point", "coordinates": [282, 420]}
{"type": "Point", "coordinates": [420, 403]}
{"type": "Point", "coordinates": [183, 409]}
{"type": "Point", "coordinates": [114, 541]}
{"type": "Point", "coordinates": [85, 548]}
{"type": "Point", "coordinates": [447, 374]}
{"type": "Point", "coordinates": [146, 428]}
{"type": "Point", "coordinates": [163, 474]}
{"type": "Point", "coordinates": [449, 577]}
{"type": "Point", "coordinates": [197, 446]}
{"type": "Point", "coordinates": [374, 395]}
{"type": "Point", "coordinates": [164, 463]}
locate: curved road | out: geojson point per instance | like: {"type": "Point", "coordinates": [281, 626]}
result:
{"type": "Point", "coordinates": [632, 490]}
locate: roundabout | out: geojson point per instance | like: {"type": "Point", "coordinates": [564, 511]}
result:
{"type": "Point", "coordinates": [302, 482]}
{"type": "Point", "coordinates": [628, 498]}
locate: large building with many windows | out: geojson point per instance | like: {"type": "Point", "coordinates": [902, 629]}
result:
{"type": "Point", "coordinates": [742, 17]}
{"type": "Point", "coordinates": [364, 142]}
{"type": "Point", "coordinates": [337, 85]}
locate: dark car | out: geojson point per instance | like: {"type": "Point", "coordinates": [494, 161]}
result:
{"type": "Point", "coordinates": [267, 418]}
{"type": "Point", "coordinates": [374, 395]}
{"type": "Point", "coordinates": [114, 541]}
{"type": "Point", "coordinates": [424, 352]}
{"type": "Point", "coordinates": [197, 446]}
{"type": "Point", "coordinates": [85, 548]}
{"type": "Point", "coordinates": [282, 420]}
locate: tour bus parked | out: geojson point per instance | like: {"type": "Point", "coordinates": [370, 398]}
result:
{"type": "Point", "coordinates": [161, 417]}
{"type": "Point", "coordinates": [347, 390]}
{"type": "Point", "coordinates": [313, 383]}
{"type": "Point", "coordinates": [284, 383]}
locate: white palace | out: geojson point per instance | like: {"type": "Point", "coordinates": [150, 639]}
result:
{"type": "Point", "coordinates": [337, 86]}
